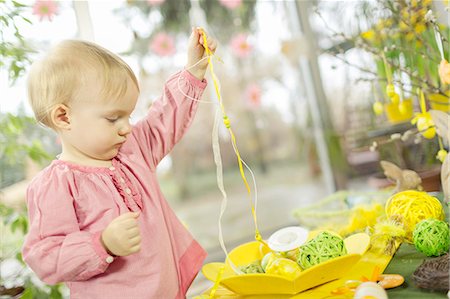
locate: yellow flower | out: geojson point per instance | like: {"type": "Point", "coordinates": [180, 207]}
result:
{"type": "Point", "coordinates": [444, 71]}
{"type": "Point", "coordinates": [410, 36]}
{"type": "Point", "coordinates": [413, 18]}
{"type": "Point", "coordinates": [368, 35]}
{"type": "Point", "coordinates": [382, 24]}
{"type": "Point", "coordinates": [403, 26]}
{"type": "Point", "coordinates": [441, 155]}
{"type": "Point", "coordinates": [405, 14]}
{"type": "Point", "coordinates": [419, 28]}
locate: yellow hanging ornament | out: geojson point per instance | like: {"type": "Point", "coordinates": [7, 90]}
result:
{"type": "Point", "coordinates": [395, 98]}
{"type": "Point", "coordinates": [441, 155]}
{"type": "Point", "coordinates": [377, 108]}
{"type": "Point", "coordinates": [390, 90]}
{"type": "Point", "coordinates": [423, 120]}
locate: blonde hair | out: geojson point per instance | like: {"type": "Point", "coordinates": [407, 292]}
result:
{"type": "Point", "coordinates": [60, 75]}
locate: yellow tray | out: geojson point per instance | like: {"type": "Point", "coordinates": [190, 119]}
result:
{"type": "Point", "coordinates": [247, 284]}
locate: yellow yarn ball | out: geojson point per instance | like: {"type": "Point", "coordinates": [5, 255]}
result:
{"type": "Point", "coordinates": [410, 207]}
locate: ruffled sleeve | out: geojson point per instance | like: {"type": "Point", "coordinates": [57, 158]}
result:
{"type": "Point", "coordinates": [55, 248]}
{"type": "Point", "coordinates": [168, 118]}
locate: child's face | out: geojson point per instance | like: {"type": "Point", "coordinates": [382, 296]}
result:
{"type": "Point", "coordinates": [99, 127]}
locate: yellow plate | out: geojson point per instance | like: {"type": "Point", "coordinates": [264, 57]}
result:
{"type": "Point", "coordinates": [247, 284]}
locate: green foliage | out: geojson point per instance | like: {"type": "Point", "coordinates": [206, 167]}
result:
{"type": "Point", "coordinates": [225, 22]}
{"type": "Point", "coordinates": [20, 138]}
{"type": "Point", "coordinates": [31, 292]}
{"type": "Point", "coordinates": [14, 51]}
{"type": "Point", "coordinates": [407, 39]}
{"type": "Point", "coordinates": [15, 222]}
{"type": "Point", "coordinates": [173, 12]}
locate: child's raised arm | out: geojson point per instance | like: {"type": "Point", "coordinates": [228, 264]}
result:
{"type": "Point", "coordinates": [171, 115]}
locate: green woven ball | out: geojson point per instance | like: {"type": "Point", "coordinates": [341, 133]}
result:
{"type": "Point", "coordinates": [431, 237]}
{"type": "Point", "coordinates": [323, 247]}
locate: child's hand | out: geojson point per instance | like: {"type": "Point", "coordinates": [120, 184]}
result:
{"type": "Point", "coordinates": [122, 237]}
{"type": "Point", "coordinates": [196, 52]}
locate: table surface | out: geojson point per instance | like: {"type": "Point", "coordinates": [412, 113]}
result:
{"type": "Point", "coordinates": [405, 262]}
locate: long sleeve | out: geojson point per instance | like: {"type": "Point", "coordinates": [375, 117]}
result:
{"type": "Point", "coordinates": [168, 118]}
{"type": "Point", "coordinates": [55, 248]}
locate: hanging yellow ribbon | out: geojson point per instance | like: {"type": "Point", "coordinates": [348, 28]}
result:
{"type": "Point", "coordinates": [227, 124]}
{"type": "Point", "coordinates": [217, 159]}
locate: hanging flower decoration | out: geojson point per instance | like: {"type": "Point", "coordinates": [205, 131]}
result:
{"type": "Point", "coordinates": [423, 120]}
{"type": "Point", "coordinates": [441, 155]}
{"type": "Point", "coordinates": [163, 44]}
{"type": "Point", "coordinates": [155, 2]}
{"type": "Point", "coordinates": [253, 95]}
{"type": "Point", "coordinates": [45, 9]}
{"type": "Point", "coordinates": [240, 46]}
{"type": "Point", "coordinates": [231, 4]}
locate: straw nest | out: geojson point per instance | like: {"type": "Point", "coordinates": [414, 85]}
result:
{"type": "Point", "coordinates": [433, 274]}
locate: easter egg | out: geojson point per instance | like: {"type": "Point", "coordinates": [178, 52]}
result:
{"type": "Point", "coordinates": [390, 90]}
{"type": "Point", "coordinates": [284, 267]}
{"type": "Point", "coordinates": [377, 108]}
{"type": "Point", "coordinates": [370, 290]}
{"type": "Point", "coordinates": [267, 259]}
{"type": "Point", "coordinates": [426, 127]}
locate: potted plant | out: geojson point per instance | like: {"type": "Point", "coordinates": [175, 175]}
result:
{"type": "Point", "coordinates": [408, 48]}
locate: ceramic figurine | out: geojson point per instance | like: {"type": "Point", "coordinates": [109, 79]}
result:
{"type": "Point", "coordinates": [405, 179]}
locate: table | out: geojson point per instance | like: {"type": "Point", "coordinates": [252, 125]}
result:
{"type": "Point", "coordinates": [404, 262]}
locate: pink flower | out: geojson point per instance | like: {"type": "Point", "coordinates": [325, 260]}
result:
{"type": "Point", "coordinates": [45, 8]}
{"type": "Point", "coordinates": [163, 44]}
{"type": "Point", "coordinates": [253, 95]}
{"type": "Point", "coordinates": [239, 45]}
{"type": "Point", "coordinates": [231, 4]}
{"type": "Point", "coordinates": [155, 2]}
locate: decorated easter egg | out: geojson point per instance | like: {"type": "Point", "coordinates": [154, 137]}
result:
{"type": "Point", "coordinates": [370, 290]}
{"type": "Point", "coordinates": [284, 267]}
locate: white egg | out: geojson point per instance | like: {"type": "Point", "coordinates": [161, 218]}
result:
{"type": "Point", "coordinates": [370, 289]}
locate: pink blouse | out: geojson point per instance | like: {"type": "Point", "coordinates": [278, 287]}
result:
{"type": "Point", "coordinates": [70, 205]}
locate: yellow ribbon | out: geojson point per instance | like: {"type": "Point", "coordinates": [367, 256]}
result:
{"type": "Point", "coordinates": [227, 123]}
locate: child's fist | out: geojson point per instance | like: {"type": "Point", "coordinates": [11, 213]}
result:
{"type": "Point", "coordinates": [122, 237]}
{"type": "Point", "coordinates": [196, 51]}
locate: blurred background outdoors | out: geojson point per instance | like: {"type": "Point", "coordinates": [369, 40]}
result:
{"type": "Point", "coordinates": [302, 83]}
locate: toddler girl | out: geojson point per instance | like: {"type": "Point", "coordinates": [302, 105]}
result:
{"type": "Point", "coordinates": [98, 219]}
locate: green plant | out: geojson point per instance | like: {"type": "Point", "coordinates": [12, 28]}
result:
{"type": "Point", "coordinates": [406, 44]}
{"type": "Point", "coordinates": [14, 51]}
{"type": "Point", "coordinates": [20, 139]}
